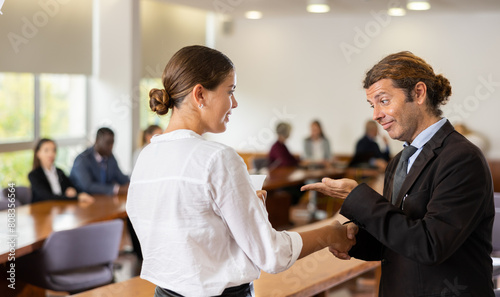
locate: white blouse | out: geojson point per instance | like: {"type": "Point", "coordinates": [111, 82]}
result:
{"type": "Point", "coordinates": [53, 179]}
{"type": "Point", "coordinates": [201, 226]}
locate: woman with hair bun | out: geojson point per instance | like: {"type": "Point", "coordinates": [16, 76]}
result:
{"type": "Point", "coordinates": [202, 227]}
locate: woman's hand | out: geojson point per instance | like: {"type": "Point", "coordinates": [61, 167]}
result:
{"type": "Point", "coordinates": [70, 192]}
{"type": "Point", "coordinates": [262, 194]}
{"type": "Point", "coordinates": [352, 230]}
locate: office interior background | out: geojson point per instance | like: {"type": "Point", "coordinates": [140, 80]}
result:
{"type": "Point", "coordinates": [68, 67]}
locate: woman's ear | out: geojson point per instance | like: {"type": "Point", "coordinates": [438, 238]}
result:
{"type": "Point", "coordinates": [199, 94]}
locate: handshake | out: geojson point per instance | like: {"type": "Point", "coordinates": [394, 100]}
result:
{"type": "Point", "coordinates": [343, 239]}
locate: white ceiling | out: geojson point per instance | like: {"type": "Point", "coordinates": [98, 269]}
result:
{"type": "Point", "coordinates": [283, 8]}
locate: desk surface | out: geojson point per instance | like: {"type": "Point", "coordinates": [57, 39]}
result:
{"type": "Point", "coordinates": [307, 277]}
{"type": "Point", "coordinates": [291, 176]}
{"type": "Point", "coordinates": [35, 222]}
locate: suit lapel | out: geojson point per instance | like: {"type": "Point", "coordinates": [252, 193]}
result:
{"type": "Point", "coordinates": [426, 155]}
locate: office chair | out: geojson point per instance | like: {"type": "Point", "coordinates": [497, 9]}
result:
{"type": "Point", "coordinates": [74, 260]}
{"type": "Point", "coordinates": [259, 163]}
{"type": "Point", "coordinates": [23, 194]}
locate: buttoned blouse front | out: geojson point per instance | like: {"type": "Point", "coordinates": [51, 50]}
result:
{"type": "Point", "coordinates": [201, 226]}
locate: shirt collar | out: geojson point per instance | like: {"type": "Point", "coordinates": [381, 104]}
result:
{"type": "Point", "coordinates": [427, 134]}
{"type": "Point", "coordinates": [175, 135]}
{"type": "Point", "coordinates": [51, 170]}
{"type": "Point", "coordinates": [98, 157]}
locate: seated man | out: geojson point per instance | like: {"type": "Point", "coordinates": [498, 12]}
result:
{"type": "Point", "coordinates": [368, 153]}
{"type": "Point", "coordinates": [96, 171]}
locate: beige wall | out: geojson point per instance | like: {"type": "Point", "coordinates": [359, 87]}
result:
{"type": "Point", "coordinates": [165, 28]}
{"type": "Point", "coordinates": [50, 36]}
{"type": "Point", "coordinates": [296, 69]}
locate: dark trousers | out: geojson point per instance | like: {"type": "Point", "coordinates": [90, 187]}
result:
{"type": "Point", "coordinates": [245, 290]}
{"type": "Point", "coordinates": [135, 241]}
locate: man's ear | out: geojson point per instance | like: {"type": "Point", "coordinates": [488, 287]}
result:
{"type": "Point", "coordinates": [420, 90]}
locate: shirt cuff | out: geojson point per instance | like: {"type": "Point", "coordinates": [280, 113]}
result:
{"type": "Point", "coordinates": [297, 244]}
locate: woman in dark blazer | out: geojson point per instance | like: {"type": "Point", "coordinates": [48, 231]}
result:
{"type": "Point", "coordinates": [49, 182]}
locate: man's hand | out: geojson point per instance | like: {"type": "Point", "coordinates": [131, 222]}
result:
{"type": "Point", "coordinates": [352, 230]}
{"type": "Point", "coordinates": [337, 188]}
{"type": "Point", "coordinates": [85, 198]}
{"type": "Point", "coordinates": [344, 240]}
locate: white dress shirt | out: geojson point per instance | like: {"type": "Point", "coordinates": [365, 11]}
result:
{"type": "Point", "coordinates": [53, 179]}
{"type": "Point", "coordinates": [422, 139]}
{"type": "Point", "coordinates": [201, 226]}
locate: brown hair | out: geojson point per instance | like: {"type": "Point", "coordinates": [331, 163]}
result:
{"type": "Point", "coordinates": [36, 161]}
{"type": "Point", "coordinates": [148, 131]}
{"type": "Point", "coordinates": [406, 70]}
{"type": "Point", "coordinates": [188, 67]}
{"type": "Point", "coordinates": [317, 123]}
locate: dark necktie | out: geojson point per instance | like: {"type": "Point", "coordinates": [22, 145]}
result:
{"type": "Point", "coordinates": [103, 166]}
{"type": "Point", "coordinates": [401, 171]}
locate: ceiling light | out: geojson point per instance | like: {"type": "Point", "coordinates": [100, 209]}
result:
{"type": "Point", "coordinates": [418, 5]}
{"type": "Point", "coordinates": [253, 15]}
{"type": "Point", "coordinates": [317, 6]}
{"type": "Point", "coordinates": [396, 11]}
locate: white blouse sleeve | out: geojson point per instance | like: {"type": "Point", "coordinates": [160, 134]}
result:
{"type": "Point", "coordinates": [246, 215]}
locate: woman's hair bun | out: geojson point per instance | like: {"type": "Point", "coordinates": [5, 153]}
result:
{"type": "Point", "coordinates": [159, 101]}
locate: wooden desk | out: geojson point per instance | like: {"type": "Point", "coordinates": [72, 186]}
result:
{"type": "Point", "coordinates": [311, 275]}
{"type": "Point", "coordinates": [292, 176]}
{"type": "Point", "coordinates": [35, 222]}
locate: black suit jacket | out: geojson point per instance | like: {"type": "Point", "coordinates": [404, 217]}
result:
{"type": "Point", "coordinates": [436, 240]}
{"type": "Point", "coordinates": [40, 186]}
{"type": "Point", "coordinates": [367, 149]}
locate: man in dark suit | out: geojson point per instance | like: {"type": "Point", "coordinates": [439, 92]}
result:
{"type": "Point", "coordinates": [368, 153]}
{"type": "Point", "coordinates": [96, 170]}
{"type": "Point", "coordinates": [431, 229]}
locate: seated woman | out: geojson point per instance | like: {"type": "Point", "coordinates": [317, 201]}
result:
{"type": "Point", "coordinates": [202, 227]}
{"type": "Point", "coordinates": [147, 134]}
{"type": "Point", "coordinates": [317, 151]}
{"type": "Point", "coordinates": [49, 182]}
{"type": "Point", "coordinates": [279, 155]}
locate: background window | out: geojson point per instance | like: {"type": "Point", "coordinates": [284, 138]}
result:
{"type": "Point", "coordinates": [14, 167]}
{"type": "Point", "coordinates": [17, 107]}
{"type": "Point", "coordinates": [63, 105]}
{"type": "Point", "coordinates": [34, 106]}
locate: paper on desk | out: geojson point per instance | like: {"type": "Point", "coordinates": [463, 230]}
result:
{"type": "Point", "coordinates": [258, 180]}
